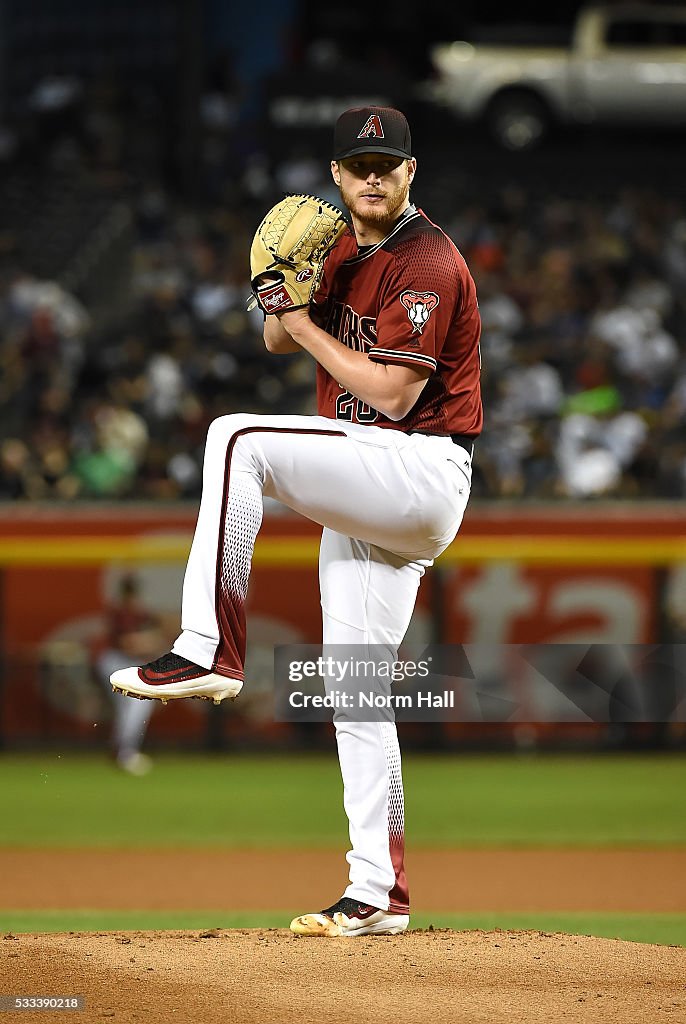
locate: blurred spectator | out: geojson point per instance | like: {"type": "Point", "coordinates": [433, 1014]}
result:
{"type": "Point", "coordinates": [16, 472]}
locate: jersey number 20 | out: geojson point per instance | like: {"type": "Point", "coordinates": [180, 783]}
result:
{"type": "Point", "coordinates": [354, 410]}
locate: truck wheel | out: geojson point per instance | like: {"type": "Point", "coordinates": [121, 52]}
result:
{"type": "Point", "coordinates": [518, 121]}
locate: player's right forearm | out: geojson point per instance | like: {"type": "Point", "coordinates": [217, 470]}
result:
{"type": "Point", "coordinates": [277, 339]}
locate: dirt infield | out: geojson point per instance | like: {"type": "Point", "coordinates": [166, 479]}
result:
{"type": "Point", "coordinates": [251, 976]}
{"type": "Point", "coordinates": [441, 880]}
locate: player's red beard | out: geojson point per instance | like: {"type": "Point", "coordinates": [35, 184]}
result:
{"type": "Point", "coordinates": [386, 212]}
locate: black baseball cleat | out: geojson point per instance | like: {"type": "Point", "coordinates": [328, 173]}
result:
{"type": "Point", "coordinates": [350, 918]}
{"type": "Point", "coordinates": [172, 677]}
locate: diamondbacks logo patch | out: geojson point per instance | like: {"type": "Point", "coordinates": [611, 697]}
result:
{"type": "Point", "coordinates": [419, 306]}
{"type": "Point", "coordinates": [373, 129]}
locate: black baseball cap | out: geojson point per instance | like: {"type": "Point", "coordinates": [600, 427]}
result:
{"type": "Point", "coordinates": [372, 130]}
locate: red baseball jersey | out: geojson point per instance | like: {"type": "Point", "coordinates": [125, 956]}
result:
{"type": "Point", "coordinates": [409, 299]}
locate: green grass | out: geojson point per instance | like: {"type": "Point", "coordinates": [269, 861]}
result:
{"type": "Point", "coordinates": [665, 929]}
{"type": "Point", "coordinates": [583, 800]}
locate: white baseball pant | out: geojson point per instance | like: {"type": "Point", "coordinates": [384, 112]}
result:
{"type": "Point", "coordinates": [131, 716]}
{"type": "Point", "coordinates": [389, 503]}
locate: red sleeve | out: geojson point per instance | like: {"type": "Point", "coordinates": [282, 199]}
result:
{"type": "Point", "coordinates": [418, 302]}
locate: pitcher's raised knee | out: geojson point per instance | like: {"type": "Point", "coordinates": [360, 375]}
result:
{"type": "Point", "coordinates": [224, 428]}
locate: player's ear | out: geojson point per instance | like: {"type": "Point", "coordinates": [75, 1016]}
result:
{"type": "Point", "coordinates": [335, 172]}
{"type": "Point", "coordinates": [411, 169]}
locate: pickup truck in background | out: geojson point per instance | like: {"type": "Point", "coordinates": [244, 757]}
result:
{"type": "Point", "coordinates": [626, 65]}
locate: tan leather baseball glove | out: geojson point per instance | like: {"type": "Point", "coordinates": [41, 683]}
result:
{"type": "Point", "coordinates": [288, 252]}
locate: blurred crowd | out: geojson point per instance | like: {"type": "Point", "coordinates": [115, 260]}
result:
{"type": "Point", "coordinates": [583, 347]}
{"type": "Point", "coordinates": [583, 344]}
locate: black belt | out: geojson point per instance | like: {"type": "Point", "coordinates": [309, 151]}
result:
{"type": "Point", "coordinates": [464, 442]}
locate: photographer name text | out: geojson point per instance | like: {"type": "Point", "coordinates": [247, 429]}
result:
{"type": "Point", "coordinates": [363, 700]}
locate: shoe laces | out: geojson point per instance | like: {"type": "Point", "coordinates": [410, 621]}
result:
{"type": "Point", "coordinates": [170, 662]}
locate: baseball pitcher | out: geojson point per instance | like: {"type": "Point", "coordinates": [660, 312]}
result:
{"type": "Point", "coordinates": [388, 310]}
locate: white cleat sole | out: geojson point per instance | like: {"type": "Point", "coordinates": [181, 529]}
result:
{"type": "Point", "coordinates": [210, 687]}
{"type": "Point", "coordinates": [341, 926]}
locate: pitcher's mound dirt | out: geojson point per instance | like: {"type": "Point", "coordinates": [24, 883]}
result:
{"type": "Point", "coordinates": [424, 977]}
